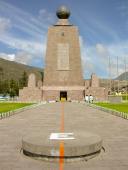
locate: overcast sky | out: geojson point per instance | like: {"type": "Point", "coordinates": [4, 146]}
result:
{"type": "Point", "coordinates": [103, 28]}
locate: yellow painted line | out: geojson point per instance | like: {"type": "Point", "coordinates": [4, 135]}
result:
{"type": "Point", "coordinates": [61, 162]}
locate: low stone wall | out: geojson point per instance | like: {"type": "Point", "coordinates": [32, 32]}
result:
{"type": "Point", "coordinates": [30, 94]}
{"type": "Point", "coordinates": [113, 112]}
{"type": "Point", "coordinates": [115, 99]}
{"type": "Point", "coordinates": [13, 112]}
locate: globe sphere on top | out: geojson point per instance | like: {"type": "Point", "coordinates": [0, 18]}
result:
{"type": "Point", "coordinates": [63, 12]}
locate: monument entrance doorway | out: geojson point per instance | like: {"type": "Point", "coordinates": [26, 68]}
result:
{"type": "Point", "coordinates": [63, 95]}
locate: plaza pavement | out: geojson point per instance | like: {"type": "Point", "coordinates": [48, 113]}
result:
{"type": "Point", "coordinates": [78, 118]}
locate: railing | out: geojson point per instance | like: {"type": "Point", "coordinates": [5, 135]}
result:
{"type": "Point", "coordinates": [111, 111]}
{"type": "Point", "coordinates": [13, 112]}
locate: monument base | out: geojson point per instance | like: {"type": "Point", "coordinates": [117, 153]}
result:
{"type": "Point", "coordinates": [30, 94]}
{"type": "Point", "coordinates": [81, 146]}
{"type": "Point", "coordinates": [68, 92]}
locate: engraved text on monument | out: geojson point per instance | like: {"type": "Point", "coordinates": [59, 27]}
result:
{"type": "Point", "coordinates": [63, 56]}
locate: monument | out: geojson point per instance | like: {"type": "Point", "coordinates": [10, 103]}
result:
{"type": "Point", "coordinates": [63, 77]}
{"type": "Point", "coordinates": [63, 71]}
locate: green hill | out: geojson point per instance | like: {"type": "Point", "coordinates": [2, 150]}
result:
{"type": "Point", "coordinates": [12, 70]}
{"type": "Point", "coordinates": [123, 76]}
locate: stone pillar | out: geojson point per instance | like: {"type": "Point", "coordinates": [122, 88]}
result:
{"type": "Point", "coordinates": [31, 93]}
{"type": "Point", "coordinates": [32, 81]}
{"type": "Point", "coordinates": [94, 80]}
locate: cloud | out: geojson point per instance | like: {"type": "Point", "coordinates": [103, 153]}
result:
{"type": "Point", "coordinates": [94, 27]}
{"type": "Point", "coordinates": [32, 28]}
{"type": "Point", "coordinates": [102, 50]}
{"type": "Point", "coordinates": [83, 51]}
{"type": "Point", "coordinates": [86, 55]}
{"type": "Point", "coordinates": [122, 7]}
{"type": "Point", "coordinates": [32, 47]}
{"type": "Point", "coordinates": [35, 29]}
{"type": "Point", "coordinates": [10, 57]}
{"type": "Point", "coordinates": [5, 24]}
{"type": "Point", "coordinates": [23, 57]}
{"type": "Point", "coordinates": [100, 54]}
{"type": "Point", "coordinates": [20, 57]}
{"type": "Point", "coordinates": [47, 17]}
{"type": "Point", "coordinates": [21, 19]}
{"type": "Point", "coordinates": [26, 22]}
{"type": "Point", "coordinates": [95, 59]}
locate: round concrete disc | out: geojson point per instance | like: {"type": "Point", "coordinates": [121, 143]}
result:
{"type": "Point", "coordinates": [40, 145]}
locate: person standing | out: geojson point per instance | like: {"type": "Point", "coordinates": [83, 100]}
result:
{"type": "Point", "coordinates": [87, 98]}
{"type": "Point", "coordinates": [90, 99]}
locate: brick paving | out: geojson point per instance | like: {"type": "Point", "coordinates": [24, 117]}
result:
{"type": "Point", "coordinates": [78, 118]}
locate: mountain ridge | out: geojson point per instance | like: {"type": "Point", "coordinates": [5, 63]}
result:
{"type": "Point", "coordinates": [14, 70]}
{"type": "Point", "coordinates": [123, 76]}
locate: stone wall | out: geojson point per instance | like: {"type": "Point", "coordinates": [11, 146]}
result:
{"type": "Point", "coordinates": [99, 93]}
{"type": "Point", "coordinates": [30, 94]}
{"type": "Point", "coordinates": [55, 95]}
{"type": "Point", "coordinates": [94, 80]}
{"type": "Point", "coordinates": [76, 95]}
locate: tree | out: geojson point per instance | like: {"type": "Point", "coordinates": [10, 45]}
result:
{"type": "Point", "coordinates": [12, 93]}
{"type": "Point", "coordinates": [14, 88]}
{"type": "Point", "coordinates": [5, 87]}
{"type": "Point", "coordinates": [1, 86]}
{"type": "Point", "coordinates": [23, 80]}
{"type": "Point", "coordinates": [1, 73]}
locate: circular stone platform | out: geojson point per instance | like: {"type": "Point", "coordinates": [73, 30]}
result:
{"type": "Point", "coordinates": [40, 146]}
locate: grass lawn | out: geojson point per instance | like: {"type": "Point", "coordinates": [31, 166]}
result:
{"type": "Point", "coordinates": [5, 107]}
{"type": "Point", "coordinates": [122, 107]}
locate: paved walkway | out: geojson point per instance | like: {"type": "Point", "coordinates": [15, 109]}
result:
{"type": "Point", "coordinates": [78, 118]}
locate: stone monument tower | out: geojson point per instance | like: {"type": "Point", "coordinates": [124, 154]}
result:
{"type": "Point", "coordinates": [63, 70]}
